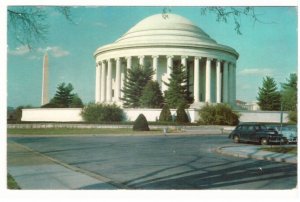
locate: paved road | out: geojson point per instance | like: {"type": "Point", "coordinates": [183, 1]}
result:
{"type": "Point", "coordinates": [159, 162]}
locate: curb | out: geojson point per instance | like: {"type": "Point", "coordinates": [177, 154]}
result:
{"type": "Point", "coordinates": [261, 155]}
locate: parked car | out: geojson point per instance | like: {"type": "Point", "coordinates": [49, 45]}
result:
{"type": "Point", "coordinates": [257, 133]}
{"type": "Point", "coordinates": [289, 132]}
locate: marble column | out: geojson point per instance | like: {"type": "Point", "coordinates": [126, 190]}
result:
{"type": "Point", "coordinates": [218, 81]}
{"type": "Point", "coordinates": [128, 62]}
{"type": "Point", "coordinates": [123, 72]}
{"type": "Point", "coordinates": [169, 65]}
{"type": "Point", "coordinates": [183, 61]}
{"type": "Point", "coordinates": [208, 80]}
{"type": "Point", "coordinates": [98, 84]}
{"type": "Point", "coordinates": [109, 81]}
{"type": "Point", "coordinates": [230, 83]}
{"type": "Point", "coordinates": [155, 66]}
{"type": "Point", "coordinates": [142, 60]}
{"type": "Point", "coordinates": [103, 81]}
{"type": "Point", "coordinates": [196, 79]}
{"type": "Point", "coordinates": [225, 82]}
{"type": "Point", "coordinates": [118, 79]}
{"type": "Point", "coordinates": [234, 84]}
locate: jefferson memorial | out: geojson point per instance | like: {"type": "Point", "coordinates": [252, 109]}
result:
{"type": "Point", "coordinates": [162, 41]}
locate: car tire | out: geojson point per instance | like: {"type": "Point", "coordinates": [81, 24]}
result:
{"type": "Point", "coordinates": [264, 141]}
{"type": "Point", "coordinates": [236, 139]}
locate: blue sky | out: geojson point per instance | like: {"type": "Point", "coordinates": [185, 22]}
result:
{"type": "Point", "coordinates": [268, 48]}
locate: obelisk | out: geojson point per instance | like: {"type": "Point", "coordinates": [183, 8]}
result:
{"type": "Point", "coordinates": [45, 80]}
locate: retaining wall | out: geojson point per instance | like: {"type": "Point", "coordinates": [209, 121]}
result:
{"type": "Point", "coordinates": [73, 115]}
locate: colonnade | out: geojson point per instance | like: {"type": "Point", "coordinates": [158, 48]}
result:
{"type": "Point", "coordinates": [220, 77]}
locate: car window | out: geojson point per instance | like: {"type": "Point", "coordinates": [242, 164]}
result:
{"type": "Point", "coordinates": [251, 128]}
{"type": "Point", "coordinates": [244, 128]}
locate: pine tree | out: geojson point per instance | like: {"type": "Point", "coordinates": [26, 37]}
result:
{"type": "Point", "coordinates": [178, 89]}
{"type": "Point", "coordinates": [268, 95]}
{"type": "Point", "coordinates": [151, 95]}
{"type": "Point", "coordinates": [289, 93]}
{"type": "Point", "coordinates": [63, 96]}
{"type": "Point", "coordinates": [135, 81]}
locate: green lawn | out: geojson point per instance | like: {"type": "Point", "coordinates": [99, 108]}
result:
{"type": "Point", "coordinates": [78, 131]}
{"type": "Point", "coordinates": [291, 150]}
{"type": "Point", "coordinates": [11, 183]}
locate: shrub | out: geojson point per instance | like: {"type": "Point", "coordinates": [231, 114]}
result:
{"type": "Point", "coordinates": [165, 114]}
{"type": "Point", "coordinates": [181, 117]}
{"type": "Point", "coordinates": [292, 116]}
{"type": "Point", "coordinates": [96, 113]}
{"type": "Point", "coordinates": [141, 124]}
{"type": "Point", "coordinates": [207, 114]}
{"type": "Point", "coordinates": [220, 114]}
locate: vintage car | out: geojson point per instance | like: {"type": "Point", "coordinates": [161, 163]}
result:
{"type": "Point", "coordinates": [256, 133]}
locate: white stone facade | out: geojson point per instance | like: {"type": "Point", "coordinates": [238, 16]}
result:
{"type": "Point", "coordinates": [162, 42]}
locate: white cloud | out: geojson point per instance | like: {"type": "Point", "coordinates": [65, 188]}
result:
{"type": "Point", "coordinates": [256, 72]}
{"type": "Point", "coordinates": [21, 50]}
{"type": "Point", "coordinates": [55, 51]}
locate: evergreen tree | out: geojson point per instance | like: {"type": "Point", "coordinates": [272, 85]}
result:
{"type": "Point", "coordinates": [151, 95]}
{"type": "Point", "coordinates": [135, 81]}
{"type": "Point", "coordinates": [268, 95]}
{"type": "Point", "coordinates": [289, 93]}
{"type": "Point", "coordinates": [64, 98]}
{"type": "Point", "coordinates": [165, 114]}
{"type": "Point", "coordinates": [178, 89]}
{"type": "Point", "coordinates": [76, 101]}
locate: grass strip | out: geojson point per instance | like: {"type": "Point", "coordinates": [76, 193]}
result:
{"type": "Point", "coordinates": [77, 131]}
{"type": "Point", "coordinates": [11, 183]}
{"type": "Point", "coordinates": [285, 150]}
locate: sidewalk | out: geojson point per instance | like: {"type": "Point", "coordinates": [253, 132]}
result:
{"type": "Point", "coordinates": [33, 170]}
{"type": "Point", "coordinates": [255, 152]}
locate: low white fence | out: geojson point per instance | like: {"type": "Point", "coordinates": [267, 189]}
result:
{"type": "Point", "coordinates": [263, 116]}
{"type": "Point", "coordinates": [73, 115]}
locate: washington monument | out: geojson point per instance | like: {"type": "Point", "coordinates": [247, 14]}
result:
{"type": "Point", "coordinates": [45, 80]}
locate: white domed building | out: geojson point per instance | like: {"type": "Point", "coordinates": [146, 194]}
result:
{"type": "Point", "coordinates": [162, 41]}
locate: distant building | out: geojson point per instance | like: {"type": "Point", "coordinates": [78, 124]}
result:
{"type": "Point", "coordinates": [251, 106]}
{"type": "Point", "coordinates": [240, 104]}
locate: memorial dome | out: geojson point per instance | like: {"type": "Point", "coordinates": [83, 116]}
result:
{"type": "Point", "coordinates": [170, 28]}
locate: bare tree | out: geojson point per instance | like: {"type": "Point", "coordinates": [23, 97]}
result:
{"type": "Point", "coordinates": [224, 14]}
{"type": "Point", "coordinates": [28, 24]}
